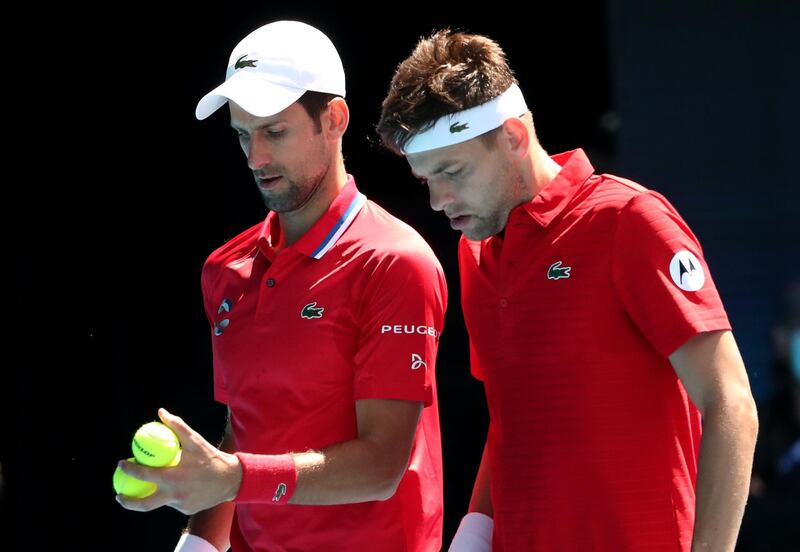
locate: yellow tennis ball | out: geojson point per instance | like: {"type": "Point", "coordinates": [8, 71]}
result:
{"type": "Point", "coordinates": [126, 485]}
{"type": "Point", "coordinates": [155, 445]}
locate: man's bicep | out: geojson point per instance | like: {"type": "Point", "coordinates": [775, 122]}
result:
{"type": "Point", "coordinates": [710, 367]}
{"type": "Point", "coordinates": [388, 422]}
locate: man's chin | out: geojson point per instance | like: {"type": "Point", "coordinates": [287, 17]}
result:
{"type": "Point", "coordinates": [279, 206]}
{"type": "Point", "coordinates": [478, 233]}
{"type": "Point", "coordinates": [471, 235]}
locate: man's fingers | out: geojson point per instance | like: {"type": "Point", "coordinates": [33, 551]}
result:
{"type": "Point", "coordinates": [189, 438]}
{"type": "Point", "coordinates": [144, 473]}
{"type": "Point", "coordinates": [155, 500]}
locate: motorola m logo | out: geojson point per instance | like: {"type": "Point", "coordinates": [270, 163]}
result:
{"type": "Point", "coordinates": [409, 329]}
{"type": "Point", "coordinates": [687, 271]}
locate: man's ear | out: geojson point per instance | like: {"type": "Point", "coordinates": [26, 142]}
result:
{"type": "Point", "coordinates": [516, 135]}
{"type": "Point", "coordinates": [336, 118]}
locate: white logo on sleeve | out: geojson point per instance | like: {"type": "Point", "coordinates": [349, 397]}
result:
{"type": "Point", "coordinates": [417, 362]}
{"type": "Point", "coordinates": [686, 271]}
{"type": "Point", "coordinates": [409, 329]}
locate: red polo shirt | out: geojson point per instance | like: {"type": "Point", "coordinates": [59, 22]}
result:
{"type": "Point", "coordinates": [572, 313]}
{"type": "Point", "coordinates": [351, 311]}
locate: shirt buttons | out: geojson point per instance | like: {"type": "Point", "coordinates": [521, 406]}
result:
{"type": "Point", "coordinates": [270, 282]}
{"type": "Point", "coordinates": [504, 302]}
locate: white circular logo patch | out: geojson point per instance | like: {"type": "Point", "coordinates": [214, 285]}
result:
{"type": "Point", "coordinates": [686, 271]}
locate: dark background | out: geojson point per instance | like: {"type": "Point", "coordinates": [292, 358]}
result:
{"type": "Point", "coordinates": [119, 194]}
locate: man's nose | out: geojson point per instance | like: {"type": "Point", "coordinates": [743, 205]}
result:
{"type": "Point", "coordinates": [440, 195]}
{"type": "Point", "coordinates": [259, 153]}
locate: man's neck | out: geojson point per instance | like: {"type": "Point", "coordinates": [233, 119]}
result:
{"type": "Point", "coordinates": [544, 170]}
{"type": "Point", "coordinates": [296, 223]}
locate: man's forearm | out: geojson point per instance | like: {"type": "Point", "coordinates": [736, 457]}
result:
{"type": "Point", "coordinates": [349, 472]}
{"type": "Point", "coordinates": [476, 528]}
{"type": "Point", "coordinates": [481, 500]}
{"type": "Point", "coordinates": [723, 479]}
{"type": "Point", "coordinates": [366, 468]}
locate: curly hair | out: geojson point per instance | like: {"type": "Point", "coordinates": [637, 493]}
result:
{"type": "Point", "coordinates": [446, 73]}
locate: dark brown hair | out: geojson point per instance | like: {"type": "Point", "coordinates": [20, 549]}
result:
{"type": "Point", "coordinates": [448, 72]}
{"type": "Point", "coordinates": [315, 103]}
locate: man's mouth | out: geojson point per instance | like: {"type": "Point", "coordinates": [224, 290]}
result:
{"type": "Point", "coordinates": [268, 183]}
{"type": "Point", "coordinates": [460, 221]}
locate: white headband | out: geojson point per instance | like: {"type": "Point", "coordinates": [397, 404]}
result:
{"type": "Point", "coordinates": [465, 125]}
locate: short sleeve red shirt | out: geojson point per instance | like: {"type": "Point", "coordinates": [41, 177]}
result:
{"type": "Point", "coordinates": [353, 310]}
{"type": "Point", "coordinates": [571, 314]}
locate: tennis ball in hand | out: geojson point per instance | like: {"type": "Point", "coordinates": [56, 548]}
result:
{"type": "Point", "coordinates": [129, 486]}
{"type": "Point", "coordinates": [126, 485]}
{"type": "Point", "coordinates": [156, 445]}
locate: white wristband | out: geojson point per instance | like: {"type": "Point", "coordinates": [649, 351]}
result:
{"type": "Point", "coordinates": [474, 534]}
{"type": "Point", "coordinates": [193, 543]}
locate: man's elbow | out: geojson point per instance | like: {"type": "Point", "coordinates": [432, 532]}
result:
{"type": "Point", "coordinates": [388, 481]}
{"type": "Point", "coordinates": [741, 412]}
{"type": "Point", "coordinates": [749, 416]}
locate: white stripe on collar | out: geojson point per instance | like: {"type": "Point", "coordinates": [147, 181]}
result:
{"type": "Point", "coordinates": [338, 229]}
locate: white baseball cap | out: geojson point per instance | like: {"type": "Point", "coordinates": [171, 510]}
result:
{"type": "Point", "coordinates": [273, 66]}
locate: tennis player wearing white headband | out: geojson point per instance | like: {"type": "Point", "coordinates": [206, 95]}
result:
{"type": "Point", "coordinates": [593, 322]}
{"type": "Point", "coordinates": [461, 126]}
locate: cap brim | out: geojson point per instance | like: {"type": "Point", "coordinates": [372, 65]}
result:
{"type": "Point", "coordinates": [255, 95]}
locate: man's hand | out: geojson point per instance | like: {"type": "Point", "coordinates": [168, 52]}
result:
{"type": "Point", "coordinates": [205, 476]}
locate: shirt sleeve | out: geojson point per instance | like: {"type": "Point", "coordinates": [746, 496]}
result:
{"type": "Point", "coordinates": [401, 317]}
{"type": "Point", "coordinates": [661, 277]}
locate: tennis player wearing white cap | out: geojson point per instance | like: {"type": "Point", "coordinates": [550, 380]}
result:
{"type": "Point", "coordinates": [325, 318]}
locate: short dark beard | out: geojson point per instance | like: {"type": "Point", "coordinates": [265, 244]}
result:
{"type": "Point", "coordinates": [292, 200]}
{"type": "Point", "coordinates": [286, 202]}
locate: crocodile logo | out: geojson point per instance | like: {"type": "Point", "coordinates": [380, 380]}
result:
{"type": "Point", "coordinates": [241, 63]}
{"type": "Point", "coordinates": [458, 127]}
{"type": "Point", "coordinates": [556, 271]}
{"type": "Point", "coordinates": [312, 311]}
{"type": "Point", "coordinates": [280, 492]}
